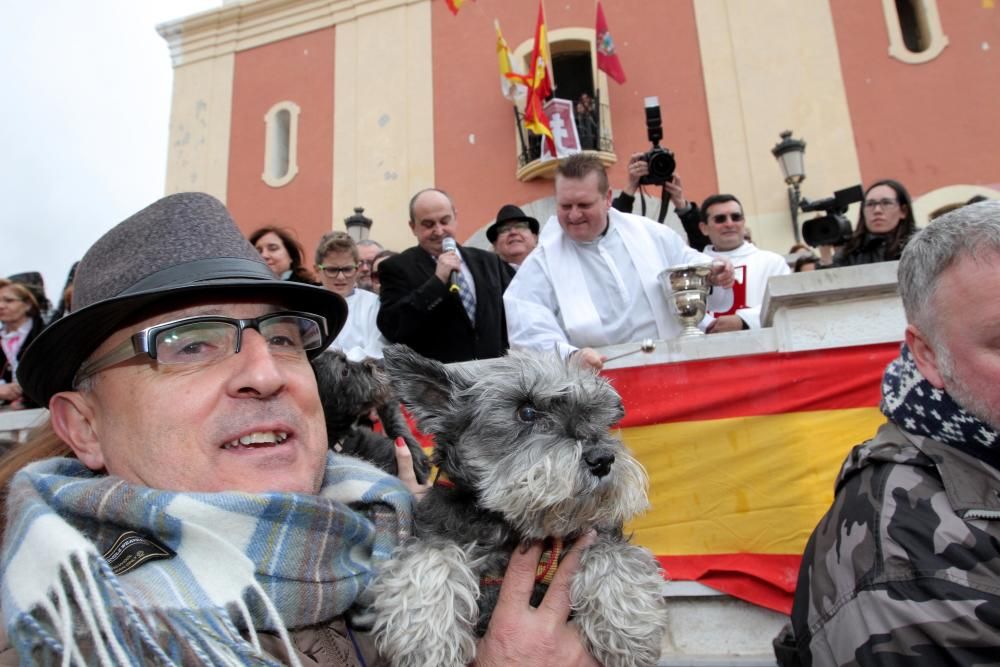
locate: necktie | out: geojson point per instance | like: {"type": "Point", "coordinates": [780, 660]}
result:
{"type": "Point", "coordinates": [467, 297]}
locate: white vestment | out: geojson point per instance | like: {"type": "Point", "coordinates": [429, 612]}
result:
{"type": "Point", "coordinates": [568, 294]}
{"type": "Point", "coordinates": [360, 337]}
{"type": "Point", "coordinates": [753, 267]}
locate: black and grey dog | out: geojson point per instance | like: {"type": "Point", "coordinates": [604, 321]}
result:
{"type": "Point", "coordinates": [524, 445]}
{"type": "Point", "coordinates": [349, 391]}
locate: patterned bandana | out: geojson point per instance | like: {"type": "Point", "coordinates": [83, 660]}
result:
{"type": "Point", "coordinates": [240, 563]}
{"type": "Point", "coordinates": [915, 405]}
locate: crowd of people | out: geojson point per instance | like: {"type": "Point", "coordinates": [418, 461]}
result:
{"type": "Point", "coordinates": [905, 559]}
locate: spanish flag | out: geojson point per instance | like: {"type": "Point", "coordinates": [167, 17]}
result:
{"type": "Point", "coordinates": [454, 5]}
{"type": "Point", "coordinates": [742, 454]}
{"type": "Point", "coordinates": [539, 83]}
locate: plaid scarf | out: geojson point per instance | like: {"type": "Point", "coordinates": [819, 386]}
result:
{"type": "Point", "coordinates": [917, 406]}
{"type": "Point", "coordinates": [243, 563]}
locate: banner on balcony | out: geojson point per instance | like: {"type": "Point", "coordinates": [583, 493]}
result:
{"type": "Point", "coordinates": [742, 454]}
{"type": "Point", "coordinates": [562, 122]}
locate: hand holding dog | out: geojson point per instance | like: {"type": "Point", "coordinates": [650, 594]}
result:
{"type": "Point", "coordinates": [407, 473]}
{"type": "Point", "coordinates": [520, 634]}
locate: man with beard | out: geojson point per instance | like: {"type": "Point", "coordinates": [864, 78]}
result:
{"type": "Point", "coordinates": [904, 569]}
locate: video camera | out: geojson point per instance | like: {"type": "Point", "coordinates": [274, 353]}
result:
{"type": "Point", "coordinates": [661, 160]}
{"type": "Point", "coordinates": [833, 228]}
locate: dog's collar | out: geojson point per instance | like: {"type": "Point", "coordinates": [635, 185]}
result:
{"type": "Point", "coordinates": [545, 571]}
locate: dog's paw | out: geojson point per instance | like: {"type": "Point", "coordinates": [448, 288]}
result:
{"type": "Point", "coordinates": [425, 604]}
{"type": "Point", "coordinates": [619, 606]}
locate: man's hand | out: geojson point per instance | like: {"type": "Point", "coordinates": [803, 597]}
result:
{"type": "Point", "coordinates": [676, 192]}
{"type": "Point", "coordinates": [722, 273]}
{"type": "Point", "coordinates": [522, 635]}
{"type": "Point", "coordinates": [724, 324]}
{"type": "Point", "coordinates": [637, 168]}
{"type": "Point", "coordinates": [10, 391]}
{"type": "Point", "coordinates": [589, 357]}
{"type": "Point", "coordinates": [406, 473]}
{"type": "Point", "coordinates": [446, 263]}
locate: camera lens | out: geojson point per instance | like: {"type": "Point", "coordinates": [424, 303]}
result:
{"type": "Point", "coordinates": [661, 165]}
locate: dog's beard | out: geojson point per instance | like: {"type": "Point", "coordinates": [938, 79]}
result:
{"type": "Point", "coordinates": [557, 495]}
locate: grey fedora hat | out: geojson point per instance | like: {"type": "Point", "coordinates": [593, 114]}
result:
{"type": "Point", "coordinates": [184, 245]}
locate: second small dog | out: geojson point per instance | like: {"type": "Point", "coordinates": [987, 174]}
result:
{"type": "Point", "coordinates": [524, 446]}
{"type": "Point", "coordinates": [349, 391]}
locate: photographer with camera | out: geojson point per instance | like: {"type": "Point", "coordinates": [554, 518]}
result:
{"type": "Point", "coordinates": [885, 224]}
{"type": "Point", "coordinates": [687, 211]}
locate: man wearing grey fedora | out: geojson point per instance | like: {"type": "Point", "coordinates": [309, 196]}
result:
{"type": "Point", "coordinates": [182, 505]}
{"type": "Point", "coordinates": [513, 235]}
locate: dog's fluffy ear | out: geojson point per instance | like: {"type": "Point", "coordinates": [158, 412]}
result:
{"type": "Point", "coordinates": [424, 385]}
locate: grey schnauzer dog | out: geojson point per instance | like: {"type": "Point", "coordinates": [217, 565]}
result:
{"type": "Point", "coordinates": [349, 391]}
{"type": "Point", "coordinates": [523, 443]}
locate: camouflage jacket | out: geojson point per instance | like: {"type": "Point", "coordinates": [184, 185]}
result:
{"type": "Point", "coordinates": [904, 569]}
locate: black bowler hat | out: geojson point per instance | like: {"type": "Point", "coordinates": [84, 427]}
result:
{"type": "Point", "coordinates": [185, 245]}
{"type": "Point", "coordinates": [510, 213]}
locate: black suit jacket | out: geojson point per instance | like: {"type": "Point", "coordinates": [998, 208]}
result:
{"type": "Point", "coordinates": [418, 310]}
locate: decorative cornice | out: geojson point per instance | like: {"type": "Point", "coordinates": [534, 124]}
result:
{"type": "Point", "coordinates": [245, 25]}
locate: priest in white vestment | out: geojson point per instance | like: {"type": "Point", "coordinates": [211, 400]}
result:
{"type": "Point", "coordinates": [592, 279]}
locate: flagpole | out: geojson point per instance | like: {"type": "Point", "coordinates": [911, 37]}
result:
{"type": "Point", "coordinates": [525, 154]}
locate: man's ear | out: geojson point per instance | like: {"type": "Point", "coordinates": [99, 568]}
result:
{"type": "Point", "coordinates": [703, 227]}
{"type": "Point", "coordinates": [924, 355]}
{"type": "Point", "coordinates": [74, 421]}
{"type": "Point", "coordinates": [413, 227]}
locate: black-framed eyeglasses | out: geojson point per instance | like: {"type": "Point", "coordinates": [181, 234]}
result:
{"type": "Point", "coordinates": [205, 339]}
{"type": "Point", "coordinates": [508, 227]}
{"type": "Point", "coordinates": [720, 218]}
{"type": "Point", "coordinates": [332, 271]}
{"type": "Point", "coordinates": [886, 204]}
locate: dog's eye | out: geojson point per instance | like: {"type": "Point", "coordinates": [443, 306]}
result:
{"type": "Point", "coordinates": [527, 413]}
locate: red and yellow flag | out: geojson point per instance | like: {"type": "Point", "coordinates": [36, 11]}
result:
{"type": "Point", "coordinates": [512, 81]}
{"type": "Point", "coordinates": [742, 454]}
{"type": "Point", "coordinates": [539, 83]}
{"type": "Point", "coordinates": [454, 5]}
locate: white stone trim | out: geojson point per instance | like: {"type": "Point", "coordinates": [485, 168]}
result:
{"type": "Point", "coordinates": [274, 136]}
{"type": "Point", "coordinates": [931, 22]}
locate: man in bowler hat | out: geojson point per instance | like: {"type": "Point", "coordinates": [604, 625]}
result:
{"type": "Point", "coordinates": [513, 235]}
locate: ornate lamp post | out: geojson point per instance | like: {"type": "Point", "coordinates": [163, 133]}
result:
{"type": "Point", "coordinates": [790, 154]}
{"type": "Point", "coordinates": [358, 225]}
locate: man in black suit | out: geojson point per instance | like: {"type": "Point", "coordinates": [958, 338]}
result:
{"type": "Point", "coordinates": [421, 307]}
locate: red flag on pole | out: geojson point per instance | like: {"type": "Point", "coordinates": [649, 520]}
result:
{"type": "Point", "coordinates": [607, 58]}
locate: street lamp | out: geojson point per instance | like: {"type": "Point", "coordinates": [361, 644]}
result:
{"type": "Point", "coordinates": [358, 225]}
{"type": "Point", "coordinates": [790, 154]}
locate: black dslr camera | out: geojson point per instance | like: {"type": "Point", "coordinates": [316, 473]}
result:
{"type": "Point", "coordinates": [661, 160]}
{"type": "Point", "coordinates": [833, 228]}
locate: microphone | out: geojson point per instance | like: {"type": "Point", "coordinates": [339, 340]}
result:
{"type": "Point", "coordinates": [448, 245]}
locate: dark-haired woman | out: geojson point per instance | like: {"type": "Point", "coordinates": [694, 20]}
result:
{"type": "Point", "coordinates": [884, 226]}
{"type": "Point", "coordinates": [283, 254]}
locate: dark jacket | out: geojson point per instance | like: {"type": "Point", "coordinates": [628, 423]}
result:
{"type": "Point", "coordinates": [904, 569]}
{"type": "Point", "coordinates": [874, 248]}
{"type": "Point", "coordinates": [418, 310]}
{"type": "Point", "coordinates": [690, 218]}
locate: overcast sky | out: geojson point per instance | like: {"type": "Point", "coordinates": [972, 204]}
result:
{"type": "Point", "coordinates": [84, 118]}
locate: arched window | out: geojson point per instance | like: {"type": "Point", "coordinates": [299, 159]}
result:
{"type": "Point", "coordinates": [281, 129]}
{"type": "Point", "coordinates": [914, 26]}
{"type": "Point", "coordinates": [575, 74]}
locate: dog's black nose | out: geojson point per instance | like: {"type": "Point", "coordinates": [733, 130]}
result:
{"type": "Point", "coordinates": [599, 463]}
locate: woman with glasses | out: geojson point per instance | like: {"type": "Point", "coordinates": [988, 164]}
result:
{"type": "Point", "coordinates": [283, 254]}
{"type": "Point", "coordinates": [337, 264]}
{"type": "Point", "coordinates": [884, 226]}
{"type": "Point", "coordinates": [20, 323]}
{"type": "Point", "coordinates": [375, 275]}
